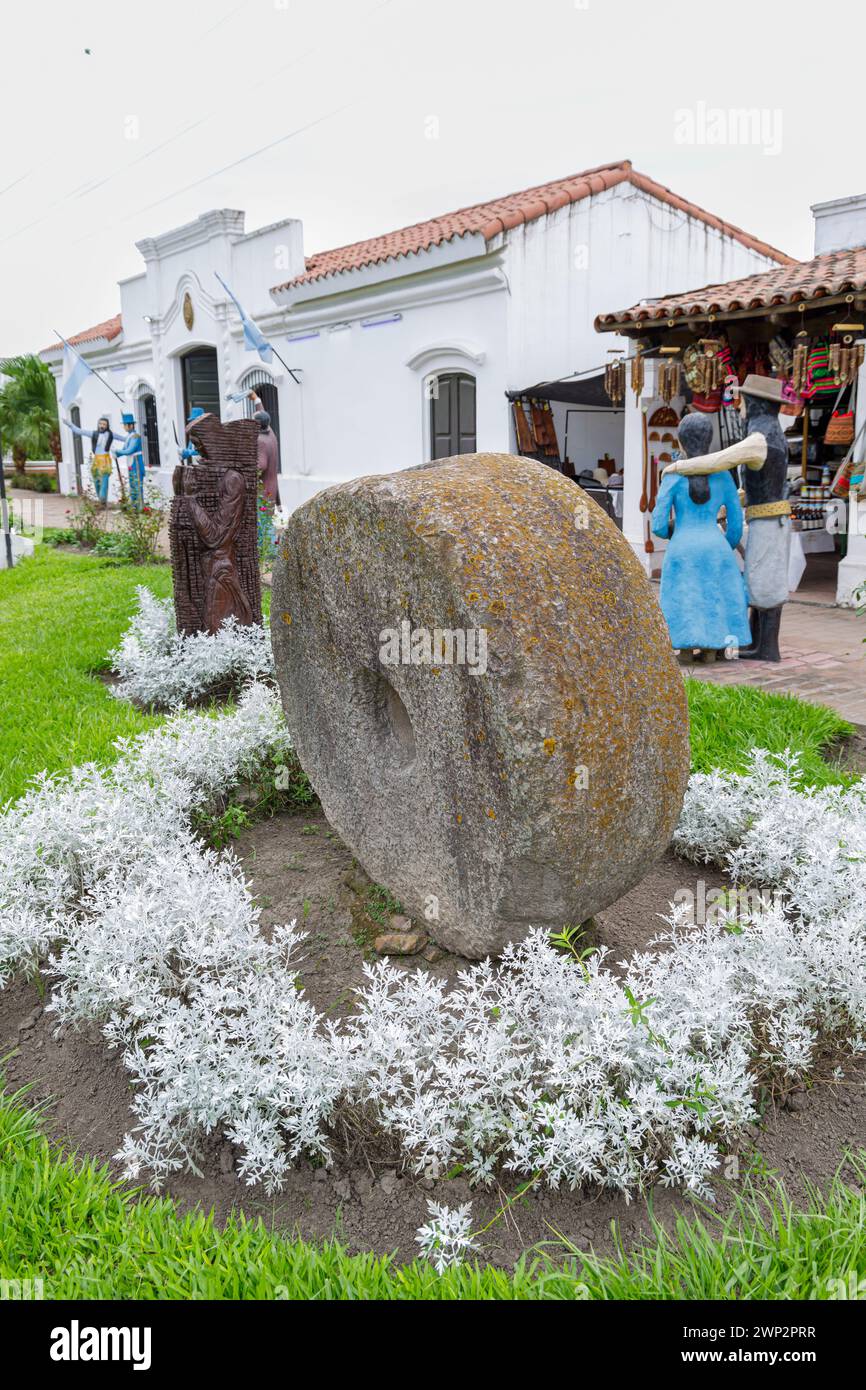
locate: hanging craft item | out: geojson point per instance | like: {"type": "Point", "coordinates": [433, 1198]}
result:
{"type": "Point", "coordinates": [552, 447]}
{"type": "Point", "coordinates": [820, 384]}
{"type": "Point", "coordinates": [646, 483]}
{"type": "Point", "coordinates": [522, 432]}
{"type": "Point", "coordinates": [654, 481]}
{"type": "Point", "coordinates": [669, 381]}
{"type": "Point", "coordinates": [614, 380]}
{"type": "Point", "coordinates": [781, 357]}
{"type": "Point", "coordinates": [846, 355]}
{"type": "Point", "coordinates": [664, 416]}
{"type": "Point", "coordinates": [800, 364]}
{"type": "Point", "coordinates": [539, 427]}
{"type": "Point", "coordinates": [638, 376]}
{"type": "Point", "coordinates": [792, 402]}
{"type": "Point", "coordinates": [670, 375]}
{"type": "Point", "coordinates": [644, 496]}
{"type": "Point", "coordinates": [800, 357]}
{"type": "Point", "coordinates": [706, 365]}
{"type": "Point", "coordinates": [841, 428]}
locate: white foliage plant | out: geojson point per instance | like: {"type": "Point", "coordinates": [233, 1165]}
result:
{"type": "Point", "coordinates": [447, 1238]}
{"type": "Point", "coordinates": [568, 1071]}
{"type": "Point", "coordinates": [164, 669]}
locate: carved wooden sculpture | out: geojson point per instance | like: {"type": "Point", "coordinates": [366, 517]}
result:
{"type": "Point", "coordinates": [214, 548]}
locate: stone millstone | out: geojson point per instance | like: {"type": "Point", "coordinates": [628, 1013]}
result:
{"type": "Point", "coordinates": [534, 794]}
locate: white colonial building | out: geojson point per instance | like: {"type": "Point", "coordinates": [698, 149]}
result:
{"type": "Point", "coordinates": [405, 347]}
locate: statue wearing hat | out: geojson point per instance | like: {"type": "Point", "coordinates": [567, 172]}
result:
{"type": "Point", "coordinates": [703, 597]}
{"type": "Point", "coordinates": [190, 451]}
{"type": "Point", "coordinates": [769, 516]}
{"type": "Point", "coordinates": [131, 449]}
{"type": "Point", "coordinates": [268, 454]}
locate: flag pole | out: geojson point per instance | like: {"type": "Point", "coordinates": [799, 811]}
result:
{"type": "Point", "coordinates": [4, 510]}
{"type": "Point", "coordinates": [285, 364]}
{"type": "Point", "coordinates": [244, 317]}
{"type": "Point", "coordinates": [88, 366]}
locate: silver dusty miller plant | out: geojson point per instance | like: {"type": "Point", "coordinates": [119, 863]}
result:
{"type": "Point", "coordinates": [164, 669]}
{"type": "Point", "coordinates": [546, 1066]}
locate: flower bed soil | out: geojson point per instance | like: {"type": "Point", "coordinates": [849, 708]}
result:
{"type": "Point", "coordinates": [299, 869]}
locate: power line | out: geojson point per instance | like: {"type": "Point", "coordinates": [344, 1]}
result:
{"type": "Point", "coordinates": [85, 189]}
{"type": "Point", "coordinates": [254, 154]}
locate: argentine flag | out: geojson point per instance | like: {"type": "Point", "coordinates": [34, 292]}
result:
{"type": "Point", "coordinates": [75, 371]}
{"type": "Point", "coordinates": [253, 336]}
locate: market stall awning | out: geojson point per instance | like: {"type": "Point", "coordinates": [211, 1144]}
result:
{"type": "Point", "coordinates": [586, 391]}
{"type": "Point", "coordinates": [809, 283]}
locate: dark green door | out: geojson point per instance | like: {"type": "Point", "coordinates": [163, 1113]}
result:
{"type": "Point", "coordinates": [201, 382]}
{"type": "Point", "coordinates": [452, 416]}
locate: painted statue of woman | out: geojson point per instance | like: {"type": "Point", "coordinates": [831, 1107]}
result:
{"type": "Point", "coordinates": [703, 596]}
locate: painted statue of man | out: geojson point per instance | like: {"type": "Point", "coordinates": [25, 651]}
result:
{"type": "Point", "coordinates": [132, 450]}
{"type": "Point", "coordinates": [190, 450]}
{"type": "Point", "coordinates": [101, 444]}
{"type": "Point", "coordinates": [268, 452]}
{"type": "Point", "coordinates": [769, 516]}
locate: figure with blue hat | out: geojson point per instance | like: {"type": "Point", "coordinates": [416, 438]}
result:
{"type": "Point", "coordinates": [190, 453]}
{"type": "Point", "coordinates": [131, 449]}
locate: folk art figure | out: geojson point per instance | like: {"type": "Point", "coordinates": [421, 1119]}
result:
{"type": "Point", "coordinates": [768, 513]}
{"type": "Point", "coordinates": [703, 594]}
{"type": "Point", "coordinates": [132, 450]}
{"type": "Point", "coordinates": [212, 528]}
{"type": "Point", "coordinates": [102, 445]}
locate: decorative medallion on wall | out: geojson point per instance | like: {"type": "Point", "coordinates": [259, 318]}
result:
{"type": "Point", "coordinates": [188, 312]}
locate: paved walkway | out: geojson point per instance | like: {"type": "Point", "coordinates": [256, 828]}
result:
{"type": "Point", "coordinates": [823, 659]}
{"type": "Point", "coordinates": [49, 509]}
{"type": "Point", "coordinates": [823, 651]}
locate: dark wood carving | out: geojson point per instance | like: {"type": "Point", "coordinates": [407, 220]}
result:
{"type": "Point", "coordinates": [212, 529]}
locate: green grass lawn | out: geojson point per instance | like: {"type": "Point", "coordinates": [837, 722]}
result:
{"type": "Point", "coordinates": [727, 722]}
{"type": "Point", "coordinates": [64, 1221]}
{"type": "Point", "coordinates": [61, 1217]}
{"type": "Point", "coordinates": [60, 614]}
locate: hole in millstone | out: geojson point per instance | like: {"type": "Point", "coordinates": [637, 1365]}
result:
{"type": "Point", "coordinates": [387, 718]}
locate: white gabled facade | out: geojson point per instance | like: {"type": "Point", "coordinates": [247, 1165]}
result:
{"type": "Point", "coordinates": [367, 342]}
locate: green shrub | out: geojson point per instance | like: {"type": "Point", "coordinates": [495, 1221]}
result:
{"type": "Point", "coordinates": [32, 482]}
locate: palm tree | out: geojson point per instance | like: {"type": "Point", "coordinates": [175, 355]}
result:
{"type": "Point", "coordinates": [28, 410]}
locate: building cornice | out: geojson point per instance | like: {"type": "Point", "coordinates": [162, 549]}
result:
{"type": "Point", "coordinates": [220, 222]}
{"type": "Point", "coordinates": [450, 283]}
{"type": "Point", "coordinates": [449, 253]}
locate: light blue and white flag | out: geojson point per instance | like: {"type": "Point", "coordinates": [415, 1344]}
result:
{"type": "Point", "coordinates": [253, 335]}
{"type": "Point", "coordinates": [75, 371]}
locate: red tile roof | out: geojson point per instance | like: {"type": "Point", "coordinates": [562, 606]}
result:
{"type": "Point", "coordinates": [837, 272]}
{"type": "Point", "coordinates": [492, 218]}
{"type": "Point", "coordinates": [110, 329]}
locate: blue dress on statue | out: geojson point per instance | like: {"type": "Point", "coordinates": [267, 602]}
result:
{"type": "Point", "coordinates": [703, 594]}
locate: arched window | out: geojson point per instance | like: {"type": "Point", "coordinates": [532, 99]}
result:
{"type": "Point", "coordinates": [145, 418]}
{"type": "Point", "coordinates": [267, 393]}
{"type": "Point", "coordinates": [452, 415]}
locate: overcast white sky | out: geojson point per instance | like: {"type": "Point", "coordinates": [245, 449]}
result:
{"type": "Point", "coordinates": [520, 92]}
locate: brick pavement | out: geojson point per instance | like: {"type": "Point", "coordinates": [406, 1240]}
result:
{"type": "Point", "coordinates": [823, 659]}
{"type": "Point", "coordinates": [823, 652]}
